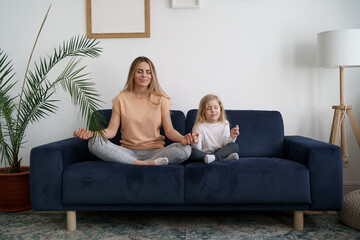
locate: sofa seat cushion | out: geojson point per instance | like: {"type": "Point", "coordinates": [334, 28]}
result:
{"type": "Point", "coordinates": [247, 180]}
{"type": "Point", "coordinates": [99, 182]}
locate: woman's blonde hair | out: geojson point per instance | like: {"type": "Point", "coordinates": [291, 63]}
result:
{"type": "Point", "coordinates": [200, 117]}
{"type": "Point", "coordinates": [154, 86]}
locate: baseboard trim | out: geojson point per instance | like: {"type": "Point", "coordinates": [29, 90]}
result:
{"type": "Point", "coordinates": [350, 186]}
{"type": "Point", "coordinates": [308, 212]}
{"type": "Point", "coordinates": [351, 183]}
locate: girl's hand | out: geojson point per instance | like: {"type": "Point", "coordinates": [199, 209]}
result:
{"type": "Point", "coordinates": [234, 132]}
{"type": "Point", "coordinates": [83, 133]}
{"type": "Point", "coordinates": [195, 137]}
{"type": "Point", "coordinates": [187, 139]}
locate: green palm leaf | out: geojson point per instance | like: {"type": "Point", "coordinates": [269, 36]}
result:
{"type": "Point", "coordinates": [7, 107]}
{"type": "Point", "coordinates": [37, 102]}
{"type": "Point", "coordinates": [36, 99]}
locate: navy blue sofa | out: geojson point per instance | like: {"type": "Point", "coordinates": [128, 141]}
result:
{"type": "Point", "coordinates": [274, 173]}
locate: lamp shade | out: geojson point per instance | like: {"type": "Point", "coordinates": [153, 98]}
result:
{"type": "Point", "coordinates": [340, 48]}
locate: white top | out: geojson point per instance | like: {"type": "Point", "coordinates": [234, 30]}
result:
{"type": "Point", "coordinates": [212, 136]}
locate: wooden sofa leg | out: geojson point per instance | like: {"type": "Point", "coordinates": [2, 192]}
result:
{"type": "Point", "coordinates": [71, 220]}
{"type": "Point", "coordinates": [299, 220]}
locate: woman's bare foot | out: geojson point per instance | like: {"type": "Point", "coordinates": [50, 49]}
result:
{"type": "Point", "coordinates": [159, 161]}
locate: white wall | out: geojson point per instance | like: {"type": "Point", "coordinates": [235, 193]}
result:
{"type": "Point", "coordinates": [258, 54]}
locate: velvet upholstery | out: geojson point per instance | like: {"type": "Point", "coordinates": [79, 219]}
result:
{"type": "Point", "coordinates": [324, 162]}
{"type": "Point", "coordinates": [248, 180]}
{"type": "Point", "coordinates": [273, 173]}
{"type": "Point", "coordinates": [47, 163]}
{"type": "Point", "coordinates": [184, 207]}
{"type": "Point", "coordinates": [122, 184]}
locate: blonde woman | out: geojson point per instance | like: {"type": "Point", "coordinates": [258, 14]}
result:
{"type": "Point", "coordinates": [142, 108]}
{"type": "Point", "coordinates": [212, 138]}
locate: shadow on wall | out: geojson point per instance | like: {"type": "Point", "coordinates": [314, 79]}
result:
{"type": "Point", "coordinates": [305, 55]}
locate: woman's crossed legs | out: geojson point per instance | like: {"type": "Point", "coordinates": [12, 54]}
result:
{"type": "Point", "coordinates": [174, 153]}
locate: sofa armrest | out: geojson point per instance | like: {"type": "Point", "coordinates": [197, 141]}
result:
{"type": "Point", "coordinates": [324, 161]}
{"type": "Point", "coordinates": [47, 163]}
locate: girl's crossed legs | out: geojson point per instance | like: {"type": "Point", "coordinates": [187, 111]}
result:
{"type": "Point", "coordinates": [221, 154]}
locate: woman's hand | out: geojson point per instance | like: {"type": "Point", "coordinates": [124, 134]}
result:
{"type": "Point", "coordinates": [187, 139]}
{"type": "Point", "coordinates": [83, 133]}
{"type": "Point", "coordinates": [195, 137]}
{"type": "Point", "coordinates": [234, 132]}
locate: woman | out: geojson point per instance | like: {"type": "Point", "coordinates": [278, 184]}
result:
{"type": "Point", "coordinates": [141, 108]}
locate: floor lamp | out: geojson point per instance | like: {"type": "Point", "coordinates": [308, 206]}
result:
{"type": "Point", "coordinates": [340, 49]}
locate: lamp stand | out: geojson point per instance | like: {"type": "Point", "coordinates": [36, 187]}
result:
{"type": "Point", "coordinates": [338, 115]}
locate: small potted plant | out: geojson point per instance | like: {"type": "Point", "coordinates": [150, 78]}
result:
{"type": "Point", "coordinates": [33, 103]}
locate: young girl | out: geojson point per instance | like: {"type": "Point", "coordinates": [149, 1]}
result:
{"type": "Point", "coordinates": [142, 108]}
{"type": "Point", "coordinates": [212, 138]}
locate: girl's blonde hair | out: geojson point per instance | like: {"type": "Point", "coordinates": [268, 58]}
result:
{"type": "Point", "coordinates": [200, 117]}
{"type": "Point", "coordinates": [154, 86]}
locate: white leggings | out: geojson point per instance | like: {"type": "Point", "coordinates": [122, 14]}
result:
{"type": "Point", "coordinates": [176, 153]}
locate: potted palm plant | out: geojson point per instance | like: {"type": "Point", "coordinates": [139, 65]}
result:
{"type": "Point", "coordinates": [34, 102]}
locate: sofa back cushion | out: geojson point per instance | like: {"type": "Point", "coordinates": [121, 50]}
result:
{"type": "Point", "coordinates": [261, 132]}
{"type": "Point", "coordinates": [177, 118]}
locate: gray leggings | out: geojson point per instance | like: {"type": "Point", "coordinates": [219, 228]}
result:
{"type": "Point", "coordinates": [176, 153]}
{"type": "Point", "coordinates": [220, 154]}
